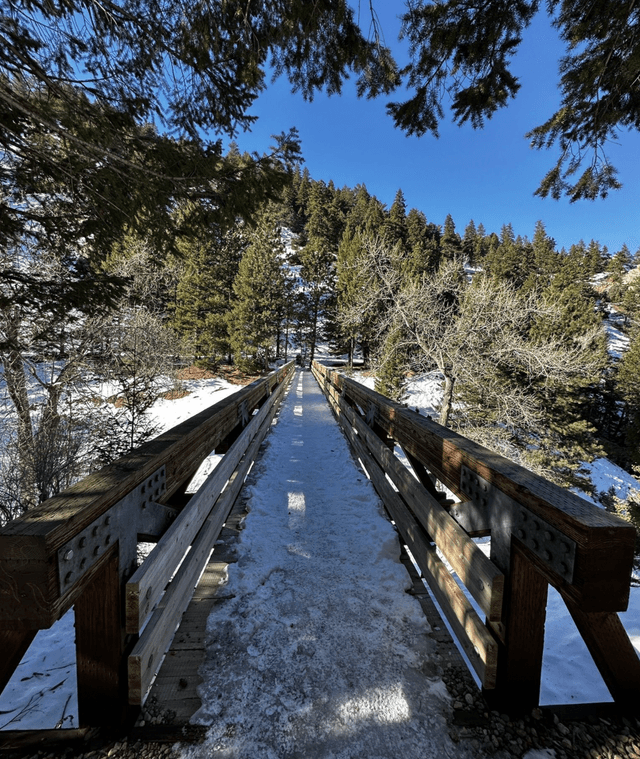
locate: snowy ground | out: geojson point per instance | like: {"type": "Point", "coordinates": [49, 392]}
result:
{"type": "Point", "coordinates": [42, 691]}
{"type": "Point", "coordinates": [320, 653]}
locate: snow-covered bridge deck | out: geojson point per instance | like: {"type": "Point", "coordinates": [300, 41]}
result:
{"type": "Point", "coordinates": [313, 644]}
{"type": "Point", "coordinates": [314, 649]}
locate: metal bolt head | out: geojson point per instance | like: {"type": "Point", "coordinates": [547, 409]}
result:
{"type": "Point", "coordinates": [68, 555]}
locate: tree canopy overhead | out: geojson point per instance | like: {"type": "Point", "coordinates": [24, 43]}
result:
{"type": "Point", "coordinates": [462, 49]}
{"type": "Point", "coordinates": [81, 78]}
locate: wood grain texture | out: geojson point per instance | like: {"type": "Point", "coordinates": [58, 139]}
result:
{"type": "Point", "coordinates": [145, 659]}
{"type": "Point", "coordinates": [520, 660]}
{"type": "Point", "coordinates": [29, 589]}
{"type": "Point", "coordinates": [605, 544]}
{"type": "Point", "coordinates": [477, 641]}
{"type": "Point", "coordinates": [100, 647]}
{"type": "Point", "coordinates": [147, 584]}
{"type": "Point", "coordinates": [484, 581]}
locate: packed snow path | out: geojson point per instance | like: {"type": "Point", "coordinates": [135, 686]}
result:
{"type": "Point", "coordinates": [320, 653]}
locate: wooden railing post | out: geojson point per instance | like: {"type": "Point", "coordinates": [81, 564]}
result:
{"type": "Point", "coordinates": [520, 637]}
{"type": "Point", "coordinates": [101, 649]}
{"type": "Point", "coordinates": [13, 645]}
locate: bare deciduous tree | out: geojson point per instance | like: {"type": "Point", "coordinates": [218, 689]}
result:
{"type": "Point", "coordinates": [476, 333]}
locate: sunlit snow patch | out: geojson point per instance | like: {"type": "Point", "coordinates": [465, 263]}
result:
{"type": "Point", "coordinates": [381, 705]}
{"type": "Point", "coordinates": [297, 507]}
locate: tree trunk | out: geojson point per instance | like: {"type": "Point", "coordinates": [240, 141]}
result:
{"type": "Point", "coordinates": [17, 389]}
{"type": "Point", "coordinates": [314, 329]}
{"type": "Point", "coordinates": [447, 400]}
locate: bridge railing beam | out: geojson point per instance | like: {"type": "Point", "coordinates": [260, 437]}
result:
{"type": "Point", "coordinates": [79, 548]}
{"type": "Point", "coordinates": [541, 534]}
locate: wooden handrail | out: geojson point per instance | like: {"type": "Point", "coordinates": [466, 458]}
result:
{"type": "Point", "coordinates": [540, 534]}
{"type": "Point", "coordinates": [74, 547]}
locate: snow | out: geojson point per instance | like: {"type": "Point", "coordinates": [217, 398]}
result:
{"type": "Point", "coordinates": [320, 651]}
{"type": "Point", "coordinates": [617, 340]}
{"type": "Point", "coordinates": [320, 647]}
{"type": "Point", "coordinates": [605, 475]}
{"type": "Point", "coordinates": [569, 675]}
{"type": "Point", "coordinates": [42, 692]}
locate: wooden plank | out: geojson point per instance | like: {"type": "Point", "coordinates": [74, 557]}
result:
{"type": "Point", "coordinates": [520, 660]}
{"type": "Point", "coordinates": [175, 690]}
{"type": "Point", "coordinates": [154, 641]}
{"type": "Point", "coordinates": [605, 544]}
{"type": "Point", "coordinates": [14, 646]}
{"type": "Point", "coordinates": [100, 646]}
{"type": "Point", "coordinates": [148, 583]}
{"type": "Point", "coordinates": [483, 579]}
{"type": "Point", "coordinates": [473, 635]}
{"type": "Point", "coordinates": [29, 589]}
{"type": "Point", "coordinates": [423, 475]}
{"type": "Point", "coordinates": [45, 742]}
{"type": "Point", "coordinates": [613, 653]}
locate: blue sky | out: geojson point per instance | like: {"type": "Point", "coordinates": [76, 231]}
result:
{"type": "Point", "coordinates": [487, 175]}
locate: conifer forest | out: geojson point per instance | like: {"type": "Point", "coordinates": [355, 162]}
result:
{"type": "Point", "coordinates": [134, 244]}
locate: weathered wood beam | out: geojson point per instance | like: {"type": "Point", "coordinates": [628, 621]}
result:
{"type": "Point", "coordinates": [30, 595]}
{"type": "Point", "coordinates": [474, 637]}
{"type": "Point", "coordinates": [144, 661]}
{"type": "Point", "coordinates": [100, 648]}
{"type": "Point", "coordinates": [149, 581]}
{"type": "Point", "coordinates": [484, 581]}
{"type": "Point", "coordinates": [521, 636]}
{"type": "Point", "coordinates": [605, 544]}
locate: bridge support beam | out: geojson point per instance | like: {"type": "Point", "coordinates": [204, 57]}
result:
{"type": "Point", "coordinates": [521, 638]}
{"type": "Point", "coordinates": [100, 649]}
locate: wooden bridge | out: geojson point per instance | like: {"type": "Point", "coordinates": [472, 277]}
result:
{"type": "Point", "coordinates": [79, 549]}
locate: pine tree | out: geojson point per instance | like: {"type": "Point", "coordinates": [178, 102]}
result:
{"type": "Point", "coordinates": [204, 295]}
{"type": "Point", "coordinates": [395, 227]}
{"type": "Point", "coordinates": [391, 366]}
{"type": "Point", "coordinates": [254, 322]}
{"type": "Point", "coordinates": [595, 258]}
{"type": "Point", "coordinates": [617, 269]}
{"type": "Point", "coordinates": [366, 214]}
{"type": "Point", "coordinates": [628, 388]}
{"type": "Point", "coordinates": [470, 243]}
{"type": "Point", "coordinates": [510, 260]}
{"type": "Point", "coordinates": [482, 245]}
{"type": "Point", "coordinates": [571, 407]}
{"type": "Point", "coordinates": [318, 258]}
{"type": "Point", "coordinates": [450, 243]}
{"type": "Point", "coordinates": [545, 259]}
{"type": "Point", "coordinates": [423, 243]}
